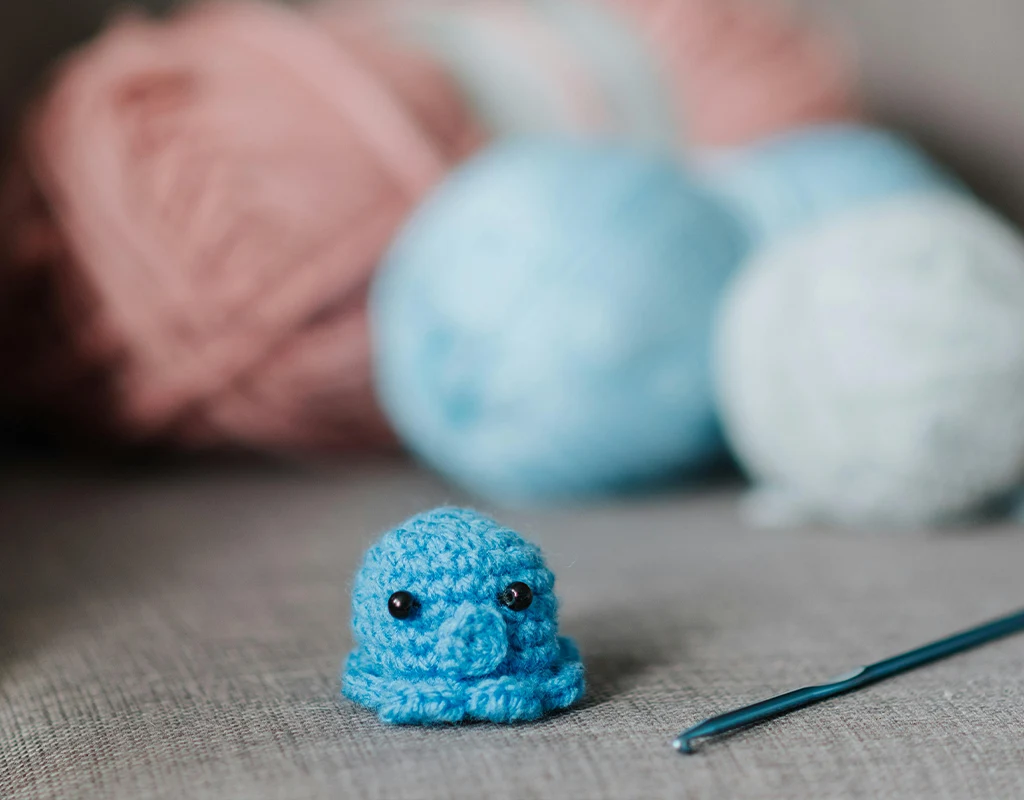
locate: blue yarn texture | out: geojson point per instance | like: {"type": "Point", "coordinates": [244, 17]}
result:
{"type": "Point", "coordinates": [542, 325]}
{"type": "Point", "coordinates": [797, 180]}
{"type": "Point", "coordinates": [462, 654]}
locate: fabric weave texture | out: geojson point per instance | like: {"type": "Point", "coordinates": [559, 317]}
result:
{"type": "Point", "coordinates": [180, 637]}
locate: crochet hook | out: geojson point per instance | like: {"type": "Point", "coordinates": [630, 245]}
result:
{"type": "Point", "coordinates": [848, 682]}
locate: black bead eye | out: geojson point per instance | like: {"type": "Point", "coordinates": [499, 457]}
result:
{"type": "Point", "coordinates": [401, 605]}
{"type": "Point", "coordinates": [517, 596]}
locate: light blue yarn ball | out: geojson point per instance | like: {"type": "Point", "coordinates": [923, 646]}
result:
{"type": "Point", "coordinates": [796, 180]}
{"type": "Point", "coordinates": [542, 325]}
{"type": "Point", "coordinates": [871, 371]}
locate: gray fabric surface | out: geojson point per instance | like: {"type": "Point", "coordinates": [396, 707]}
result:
{"type": "Point", "coordinates": [179, 637]}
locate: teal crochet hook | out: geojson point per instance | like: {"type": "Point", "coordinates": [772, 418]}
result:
{"type": "Point", "coordinates": [848, 682]}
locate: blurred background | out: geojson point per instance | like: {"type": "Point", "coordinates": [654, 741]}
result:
{"type": "Point", "coordinates": [944, 70]}
{"type": "Point", "coordinates": [556, 250]}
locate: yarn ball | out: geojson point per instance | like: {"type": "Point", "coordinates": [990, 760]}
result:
{"type": "Point", "coordinates": [796, 180]}
{"type": "Point", "coordinates": [195, 217]}
{"type": "Point", "coordinates": [455, 617]}
{"type": "Point", "coordinates": [742, 70]}
{"type": "Point", "coordinates": [871, 370]}
{"type": "Point", "coordinates": [542, 325]}
{"type": "Point", "coordinates": [537, 66]}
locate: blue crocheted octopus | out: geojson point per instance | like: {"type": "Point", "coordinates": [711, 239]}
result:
{"type": "Point", "coordinates": [455, 618]}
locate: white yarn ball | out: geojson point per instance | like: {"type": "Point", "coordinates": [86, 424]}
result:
{"type": "Point", "coordinates": [872, 370]}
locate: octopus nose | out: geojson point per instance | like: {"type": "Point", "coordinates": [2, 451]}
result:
{"type": "Point", "coordinates": [473, 642]}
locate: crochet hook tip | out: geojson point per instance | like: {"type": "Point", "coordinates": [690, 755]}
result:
{"type": "Point", "coordinates": [683, 745]}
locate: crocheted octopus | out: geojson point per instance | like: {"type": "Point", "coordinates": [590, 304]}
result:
{"type": "Point", "coordinates": [455, 618]}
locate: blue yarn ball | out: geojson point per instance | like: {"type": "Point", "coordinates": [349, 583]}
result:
{"type": "Point", "coordinates": [797, 180]}
{"type": "Point", "coordinates": [542, 325]}
{"type": "Point", "coordinates": [455, 617]}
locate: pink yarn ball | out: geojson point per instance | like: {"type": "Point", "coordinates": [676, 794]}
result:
{"type": "Point", "coordinates": [199, 208]}
{"type": "Point", "coordinates": [742, 70]}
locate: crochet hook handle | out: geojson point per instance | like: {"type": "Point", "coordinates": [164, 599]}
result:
{"type": "Point", "coordinates": [855, 679]}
